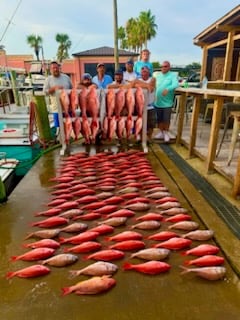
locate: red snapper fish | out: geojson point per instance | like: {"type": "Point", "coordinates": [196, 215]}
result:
{"type": "Point", "coordinates": [119, 102]}
{"type": "Point", "coordinates": [125, 235]}
{"type": "Point", "coordinates": [175, 243]}
{"type": "Point", "coordinates": [162, 236]}
{"type": "Point", "coordinates": [29, 272]}
{"type": "Point", "coordinates": [150, 267]}
{"type": "Point", "coordinates": [65, 101]}
{"type": "Point", "coordinates": [184, 225]}
{"type": "Point", "coordinates": [110, 100]}
{"type": "Point", "coordinates": [47, 243]}
{"type": "Point", "coordinates": [76, 126]}
{"type": "Point", "coordinates": [201, 250]}
{"type": "Point", "coordinates": [99, 268]}
{"type": "Point", "coordinates": [209, 273]}
{"type": "Point", "coordinates": [84, 247]}
{"type": "Point", "coordinates": [106, 255]}
{"type": "Point", "coordinates": [151, 254]}
{"type": "Point", "coordinates": [150, 216]}
{"type": "Point", "coordinates": [140, 101]}
{"type": "Point", "coordinates": [61, 260]}
{"type": "Point", "coordinates": [35, 254]}
{"type": "Point", "coordinates": [178, 217]}
{"type": "Point", "coordinates": [128, 245]}
{"type": "Point", "coordinates": [50, 212]}
{"type": "Point", "coordinates": [82, 237]}
{"type": "Point", "coordinates": [50, 222]}
{"type": "Point", "coordinates": [199, 235]}
{"type": "Point", "coordinates": [205, 261]}
{"type": "Point", "coordinates": [86, 130]}
{"type": "Point", "coordinates": [67, 128]}
{"type": "Point", "coordinates": [73, 101]}
{"type": "Point", "coordinates": [94, 285]}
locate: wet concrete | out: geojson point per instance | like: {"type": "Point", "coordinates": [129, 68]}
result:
{"type": "Point", "coordinates": [135, 296]}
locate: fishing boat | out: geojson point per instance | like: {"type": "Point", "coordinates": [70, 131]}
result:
{"type": "Point", "coordinates": [8, 177]}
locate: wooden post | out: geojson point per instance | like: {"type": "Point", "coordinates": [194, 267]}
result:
{"type": "Point", "coordinates": [42, 121]}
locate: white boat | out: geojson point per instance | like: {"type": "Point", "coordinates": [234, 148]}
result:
{"type": "Point", "coordinates": [8, 177]}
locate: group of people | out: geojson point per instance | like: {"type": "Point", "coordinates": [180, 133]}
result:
{"type": "Point", "coordinates": [161, 88]}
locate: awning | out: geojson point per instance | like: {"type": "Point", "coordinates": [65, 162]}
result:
{"type": "Point", "coordinates": [36, 68]}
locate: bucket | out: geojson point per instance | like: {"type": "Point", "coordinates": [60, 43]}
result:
{"type": "Point", "coordinates": [2, 125]}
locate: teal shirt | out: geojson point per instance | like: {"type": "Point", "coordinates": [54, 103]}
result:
{"type": "Point", "coordinates": [138, 66]}
{"type": "Point", "coordinates": [167, 81]}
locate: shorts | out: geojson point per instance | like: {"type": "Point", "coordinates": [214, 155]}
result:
{"type": "Point", "coordinates": [55, 119]}
{"type": "Point", "coordinates": [151, 119]}
{"type": "Point", "coordinates": [163, 114]}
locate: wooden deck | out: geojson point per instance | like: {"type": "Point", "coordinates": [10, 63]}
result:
{"type": "Point", "coordinates": [202, 142]}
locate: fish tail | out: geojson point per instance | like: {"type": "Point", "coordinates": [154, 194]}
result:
{"type": "Point", "coordinates": [187, 263]}
{"type": "Point", "coordinates": [107, 238]}
{"type": "Point", "coordinates": [10, 274]}
{"type": "Point", "coordinates": [66, 291]}
{"type": "Point", "coordinates": [73, 273]}
{"type": "Point", "coordinates": [127, 266]}
{"type": "Point", "coordinates": [183, 253]}
{"type": "Point", "coordinates": [61, 240]}
{"type": "Point", "coordinates": [28, 236]}
{"type": "Point", "coordinates": [185, 270]}
{"type": "Point", "coordinates": [14, 258]}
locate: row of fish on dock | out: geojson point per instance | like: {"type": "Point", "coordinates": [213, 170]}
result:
{"type": "Point", "coordinates": [113, 206]}
{"type": "Point", "coordinates": [123, 113]}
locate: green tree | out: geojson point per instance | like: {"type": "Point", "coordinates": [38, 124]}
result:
{"type": "Point", "coordinates": [35, 42]}
{"type": "Point", "coordinates": [138, 31]}
{"type": "Point", "coordinates": [147, 26]}
{"type": "Point", "coordinates": [64, 46]}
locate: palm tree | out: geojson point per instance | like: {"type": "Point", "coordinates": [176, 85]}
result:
{"type": "Point", "coordinates": [64, 46]}
{"type": "Point", "coordinates": [35, 42]}
{"type": "Point", "coordinates": [122, 37]}
{"type": "Point", "coordinates": [147, 26]}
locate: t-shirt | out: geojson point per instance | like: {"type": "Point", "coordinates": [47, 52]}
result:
{"type": "Point", "coordinates": [164, 81]}
{"type": "Point", "coordinates": [102, 84]}
{"type": "Point", "coordinates": [129, 76]}
{"type": "Point", "coordinates": [51, 81]}
{"type": "Point", "coordinates": [151, 95]}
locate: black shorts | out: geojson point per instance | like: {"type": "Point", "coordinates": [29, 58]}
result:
{"type": "Point", "coordinates": [163, 114]}
{"type": "Point", "coordinates": [151, 119]}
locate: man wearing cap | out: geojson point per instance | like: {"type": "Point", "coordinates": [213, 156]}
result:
{"type": "Point", "coordinates": [101, 79]}
{"type": "Point", "coordinates": [86, 82]}
{"type": "Point", "coordinates": [129, 75]}
{"type": "Point", "coordinates": [118, 80]}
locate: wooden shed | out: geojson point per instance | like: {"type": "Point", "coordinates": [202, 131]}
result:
{"type": "Point", "coordinates": [220, 43]}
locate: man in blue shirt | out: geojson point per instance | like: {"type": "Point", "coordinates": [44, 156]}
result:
{"type": "Point", "coordinates": [143, 62]}
{"type": "Point", "coordinates": [101, 79]}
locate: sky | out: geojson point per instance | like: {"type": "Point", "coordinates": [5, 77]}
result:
{"type": "Point", "coordinates": [89, 24]}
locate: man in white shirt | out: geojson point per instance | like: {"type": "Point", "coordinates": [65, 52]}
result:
{"type": "Point", "coordinates": [129, 75]}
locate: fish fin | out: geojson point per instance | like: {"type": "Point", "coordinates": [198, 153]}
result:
{"type": "Point", "coordinates": [65, 291]}
{"type": "Point", "coordinates": [85, 257]}
{"type": "Point", "coordinates": [10, 274]}
{"type": "Point", "coordinates": [127, 266]}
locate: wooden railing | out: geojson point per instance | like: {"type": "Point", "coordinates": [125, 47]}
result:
{"type": "Point", "coordinates": [218, 96]}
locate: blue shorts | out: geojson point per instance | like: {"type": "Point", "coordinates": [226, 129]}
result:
{"type": "Point", "coordinates": [55, 119]}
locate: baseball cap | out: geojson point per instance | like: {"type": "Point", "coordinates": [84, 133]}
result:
{"type": "Point", "coordinates": [119, 71]}
{"type": "Point", "coordinates": [86, 76]}
{"type": "Point", "coordinates": [130, 62]}
{"type": "Point", "coordinates": [101, 64]}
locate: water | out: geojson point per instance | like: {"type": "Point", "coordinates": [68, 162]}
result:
{"type": "Point", "coordinates": [135, 296]}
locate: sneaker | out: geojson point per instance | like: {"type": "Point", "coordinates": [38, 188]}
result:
{"type": "Point", "coordinates": [159, 135]}
{"type": "Point", "coordinates": [166, 136]}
